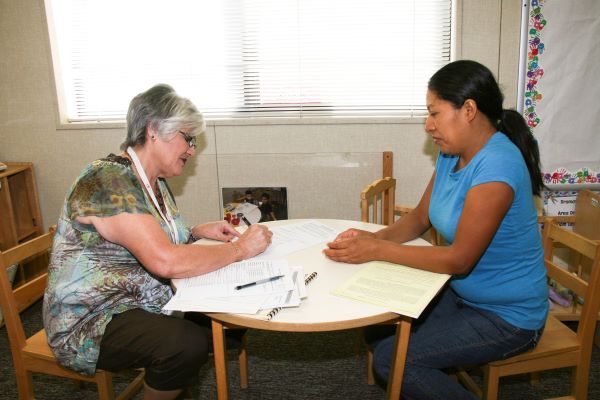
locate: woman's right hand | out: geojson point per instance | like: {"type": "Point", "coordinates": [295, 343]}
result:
{"type": "Point", "coordinates": [254, 240]}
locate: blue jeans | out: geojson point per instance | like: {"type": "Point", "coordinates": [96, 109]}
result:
{"type": "Point", "coordinates": [448, 334]}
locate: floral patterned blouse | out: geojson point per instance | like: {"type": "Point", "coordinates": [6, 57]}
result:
{"type": "Point", "coordinates": [91, 279]}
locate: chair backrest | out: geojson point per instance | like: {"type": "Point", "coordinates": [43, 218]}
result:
{"type": "Point", "coordinates": [377, 201]}
{"type": "Point", "coordinates": [586, 222]}
{"type": "Point", "coordinates": [556, 236]}
{"type": "Point", "coordinates": [13, 300]}
{"type": "Point", "coordinates": [587, 214]}
{"type": "Point", "coordinates": [387, 164]}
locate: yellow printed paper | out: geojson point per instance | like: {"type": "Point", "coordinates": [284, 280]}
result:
{"type": "Point", "coordinates": [397, 288]}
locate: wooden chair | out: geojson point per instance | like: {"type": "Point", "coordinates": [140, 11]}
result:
{"type": "Point", "coordinates": [378, 207]}
{"type": "Point", "coordinates": [377, 201]}
{"type": "Point", "coordinates": [587, 214]}
{"type": "Point", "coordinates": [586, 222]}
{"type": "Point", "coordinates": [559, 346]}
{"type": "Point", "coordinates": [434, 237]}
{"type": "Point", "coordinates": [388, 171]}
{"type": "Point", "coordinates": [33, 355]}
{"type": "Point", "coordinates": [586, 219]}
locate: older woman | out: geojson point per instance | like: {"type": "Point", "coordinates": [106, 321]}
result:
{"type": "Point", "coordinates": [120, 239]}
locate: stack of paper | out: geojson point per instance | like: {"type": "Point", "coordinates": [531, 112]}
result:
{"type": "Point", "coordinates": [216, 291]}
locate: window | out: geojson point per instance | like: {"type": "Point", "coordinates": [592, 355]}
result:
{"type": "Point", "coordinates": [236, 58]}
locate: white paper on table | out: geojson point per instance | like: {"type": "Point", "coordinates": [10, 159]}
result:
{"type": "Point", "coordinates": [187, 299]}
{"type": "Point", "coordinates": [239, 305]}
{"type": "Point", "coordinates": [291, 298]}
{"type": "Point", "coordinates": [278, 286]}
{"type": "Point", "coordinates": [222, 282]}
{"type": "Point", "coordinates": [287, 239]}
{"type": "Point", "coordinates": [301, 283]}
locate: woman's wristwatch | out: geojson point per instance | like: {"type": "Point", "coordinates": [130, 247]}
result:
{"type": "Point", "coordinates": [192, 238]}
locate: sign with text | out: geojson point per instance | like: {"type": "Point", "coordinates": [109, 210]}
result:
{"type": "Point", "coordinates": [561, 206]}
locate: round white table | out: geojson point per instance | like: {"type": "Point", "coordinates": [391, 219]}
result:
{"type": "Point", "coordinates": [321, 311]}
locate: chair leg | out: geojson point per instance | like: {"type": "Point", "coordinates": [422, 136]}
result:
{"type": "Point", "coordinates": [24, 384]}
{"type": "Point", "coordinates": [463, 377]}
{"type": "Point", "coordinates": [243, 360]}
{"type": "Point", "coordinates": [77, 383]}
{"type": "Point", "coordinates": [491, 379]}
{"type": "Point", "coordinates": [370, 375]}
{"type": "Point", "coordinates": [105, 385]}
{"type": "Point", "coordinates": [534, 378]}
{"type": "Point", "coordinates": [579, 381]}
{"type": "Point", "coordinates": [358, 341]}
{"type": "Point", "coordinates": [134, 386]}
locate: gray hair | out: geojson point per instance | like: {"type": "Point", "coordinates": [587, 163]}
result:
{"type": "Point", "coordinates": [163, 109]}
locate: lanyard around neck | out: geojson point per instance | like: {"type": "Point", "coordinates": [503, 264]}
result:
{"type": "Point", "coordinates": [168, 218]}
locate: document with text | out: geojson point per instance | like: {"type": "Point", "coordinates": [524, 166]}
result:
{"type": "Point", "coordinates": [292, 297]}
{"type": "Point", "coordinates": [223, 282]}
{"type": "Point", "coordinates": [263, 282]}
{"type": "Point", "coordinates": [185, 301]}
{"type": "Point", "coordinates": [397, 288]}
{"type": "Point", "coordinates": [216, 291]}
{"type": "Point", "coordinates": [293, 237]}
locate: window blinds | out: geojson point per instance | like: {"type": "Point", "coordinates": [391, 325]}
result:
{"type": "Point", "coordinates": [236, 58]}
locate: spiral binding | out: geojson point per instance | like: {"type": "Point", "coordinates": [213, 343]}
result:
{"type": "Point", "coordinates": [310, 277]}
{"type": "Point", "coordinates": [274, 311]}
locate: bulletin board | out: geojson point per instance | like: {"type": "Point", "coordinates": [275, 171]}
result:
{"type": "Point", "coordinates": [561, 94]}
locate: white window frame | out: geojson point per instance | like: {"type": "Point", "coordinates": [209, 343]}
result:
{"type": "Point", "coordinates": [64, 123]}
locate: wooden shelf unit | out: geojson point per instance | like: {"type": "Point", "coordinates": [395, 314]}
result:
{"type": "Point", "coordinates": [20, 216]}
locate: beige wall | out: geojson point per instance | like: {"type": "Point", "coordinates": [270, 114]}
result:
{"type": "Point", "coordinates": [323, 163]}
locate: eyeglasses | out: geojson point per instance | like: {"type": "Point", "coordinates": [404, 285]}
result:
{"type": "Point", "coordinates": [191, 140]}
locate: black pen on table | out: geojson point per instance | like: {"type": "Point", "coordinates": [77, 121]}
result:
{"type": "Point", "coordinates": [271, 279]}
{"type": "Point", "coordinates": [243, 217]}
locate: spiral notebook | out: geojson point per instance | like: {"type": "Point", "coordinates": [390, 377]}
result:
{"type": "Point", "coordinates": [273, 312]}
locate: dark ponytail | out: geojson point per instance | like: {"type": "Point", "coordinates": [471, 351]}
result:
{"type": "Point", "coordinates": [464, 79]}
{"type": "Point", "coordinates": [513, 125]}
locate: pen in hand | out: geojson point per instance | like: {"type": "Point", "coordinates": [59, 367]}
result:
{"type": "Point", "coordinates": [271, 279]}
{"type": "Point", "coordinates": [241, 215]}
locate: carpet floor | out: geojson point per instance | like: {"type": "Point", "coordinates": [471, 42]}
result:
{"type": "Point", "coordinates": [285, 366]}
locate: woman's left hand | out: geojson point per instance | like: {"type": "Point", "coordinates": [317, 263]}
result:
{"type": "Point", "coordinates": [353, 250]}
{"type": "Point", "coordinates": [218, 230]}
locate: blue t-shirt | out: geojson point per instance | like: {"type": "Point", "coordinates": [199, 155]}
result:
{"type": "Point", "coordinates": [510, 278]}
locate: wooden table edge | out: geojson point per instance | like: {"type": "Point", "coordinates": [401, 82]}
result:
{"type": "Point", "coordinates": [240, 321]}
